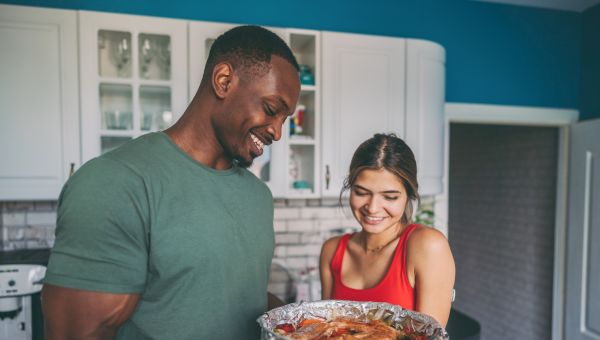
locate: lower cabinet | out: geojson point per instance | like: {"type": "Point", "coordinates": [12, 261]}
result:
{"type": "Point", "coordinates": [39, 113]}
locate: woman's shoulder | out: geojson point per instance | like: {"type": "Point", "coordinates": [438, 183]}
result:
{"type": "Point", "coordinates": [425, 238]}
{"type": "Point", "coordinates": [330, 246]}
{"type": "Point", "coordinates": [332, 243]}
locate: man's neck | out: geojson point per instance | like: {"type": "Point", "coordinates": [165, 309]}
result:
{"type": "Point", "coordinates": [195, 137]}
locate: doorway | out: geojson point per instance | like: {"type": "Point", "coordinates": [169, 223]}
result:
{"type": "Point", "coordinates": [533, 191]}
{"type": "Point", "coordinates": [502, 198]}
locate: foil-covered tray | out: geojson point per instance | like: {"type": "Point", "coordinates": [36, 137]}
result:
{"type": "Point", "coordinates": [393, 315]}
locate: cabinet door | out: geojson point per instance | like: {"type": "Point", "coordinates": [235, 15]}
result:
{"type": "Point", "coordinates": [363, 94]}
{"type": "Point", "coordinates": [425, 84]}
{"type": "Point", "coordinates": [39, 133]}
{"type": "Point", "coordinates": [133, 77]}
{"type": "Point", "coordinates": [202, 36]}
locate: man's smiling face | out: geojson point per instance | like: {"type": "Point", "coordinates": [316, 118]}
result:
{"type": "Point", "coordinates": [255, 110]}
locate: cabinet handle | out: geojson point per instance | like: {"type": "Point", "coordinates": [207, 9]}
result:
{"type": "Point", "coordinates": [327, 177]}
{"type": "Point", "coordinates": [71, 169]}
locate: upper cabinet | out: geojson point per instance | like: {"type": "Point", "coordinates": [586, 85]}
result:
{"type": "Point", "coordinates": [137, 74]}
{"type": "Point", "coordinates": [364, 92]}
{"type": "Point", "coordinates": [133, 77]}
{"type": "Point", "coordinates": [374, 84]}
{"type": "Point", "coordinates": [39, 114]}
{"type": "Point", "coordinates": [425, 98]}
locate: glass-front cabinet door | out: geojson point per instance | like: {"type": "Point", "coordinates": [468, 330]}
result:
{"type": "Point", "coordinates": [133, 77]}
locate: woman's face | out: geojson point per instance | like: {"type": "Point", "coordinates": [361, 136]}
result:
{"type": "Point", "coordinates": [378, 199]}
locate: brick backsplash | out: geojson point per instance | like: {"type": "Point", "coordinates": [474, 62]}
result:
{"type": "Point", "coordinates": [27, 225]}
{"type": "Point", "coordinates": [301, 226]}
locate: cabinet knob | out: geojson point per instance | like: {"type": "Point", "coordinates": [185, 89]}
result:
{"type": "Point", "coordinates": [71, 169]}
{"type": "Point", "coordinates": [327, 177]}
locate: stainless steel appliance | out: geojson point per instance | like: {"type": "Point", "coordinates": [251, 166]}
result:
{"type": "Point", "coordinates": [17, 284]}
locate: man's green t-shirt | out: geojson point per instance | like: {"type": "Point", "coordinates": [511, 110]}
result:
{"type": "Point", "coordinates": [194, 242]}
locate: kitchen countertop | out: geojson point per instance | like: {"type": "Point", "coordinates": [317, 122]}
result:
{"type": "Point", "coordinates": [25, 256]}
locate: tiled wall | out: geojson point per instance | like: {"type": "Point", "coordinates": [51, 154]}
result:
{"type": "Point", "coordinates": [501, 226]}
{"type": "Point", "coordinates": [27, 225]}
{"type": "Point", "coordinates": [300, 226]}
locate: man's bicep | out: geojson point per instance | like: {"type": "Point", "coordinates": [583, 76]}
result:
{"type": "Point", "coordinates": [101, 236]}
{"type": "Point", "coordinates": [80, 314]}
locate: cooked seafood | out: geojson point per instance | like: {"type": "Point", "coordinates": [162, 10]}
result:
{"type": "Point", "coordinates": [341, 329]}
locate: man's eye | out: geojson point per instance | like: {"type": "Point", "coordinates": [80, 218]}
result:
{"type": "Point", "coordinates": [269, 111]}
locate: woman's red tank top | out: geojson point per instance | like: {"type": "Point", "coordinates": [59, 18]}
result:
{"type": "Point", "coordinates": [393, 288]}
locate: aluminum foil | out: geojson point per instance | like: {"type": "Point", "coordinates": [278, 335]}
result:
{"type": "Point", "coordinates": [392, 315]}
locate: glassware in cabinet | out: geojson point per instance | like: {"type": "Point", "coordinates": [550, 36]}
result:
{"type": "Point", "coordinates": [114, 54]}
{"type": "Point", "coordinates": [116, 106]}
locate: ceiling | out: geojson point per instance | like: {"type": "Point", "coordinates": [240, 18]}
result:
{"type": "Point", "coordinates": [565, 5]}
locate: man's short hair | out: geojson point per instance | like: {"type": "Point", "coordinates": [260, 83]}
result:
{"type": "Point", "coordinates": [248, 49]}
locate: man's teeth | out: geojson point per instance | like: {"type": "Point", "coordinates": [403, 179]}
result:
{"type": "Point", "coordinates": [374, 219]}
{"type": "Point", "coordinates": [257, 142]}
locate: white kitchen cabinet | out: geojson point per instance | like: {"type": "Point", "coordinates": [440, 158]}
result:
{"type": "Point", "coordinates": [39, 122]}
{"type": "Point", "coordinates": [289, 167]}
{"type": "Point", "coordinates": [133, 77]}
{"type": "Point", "coordinates": [374, 84]}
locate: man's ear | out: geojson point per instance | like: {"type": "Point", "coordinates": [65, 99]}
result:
{"type": "Point", "coordinates": [222, 79]}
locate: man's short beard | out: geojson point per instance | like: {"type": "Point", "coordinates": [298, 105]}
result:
{"type": "Point", "coordinates": [241, 162]}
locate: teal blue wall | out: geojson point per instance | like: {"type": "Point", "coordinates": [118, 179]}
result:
{"type": "Point", "coordinates": [496, 54]}
{"type": "Point", "coordinates": [590, 65]}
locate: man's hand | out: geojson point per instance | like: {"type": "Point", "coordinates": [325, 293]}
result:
{"type": "Point", "coordinates": [274, 301]}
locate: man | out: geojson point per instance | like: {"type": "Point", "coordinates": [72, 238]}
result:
{"type": "Point", "coordinates": [169, 236]}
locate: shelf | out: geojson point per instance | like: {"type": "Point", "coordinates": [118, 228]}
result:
{"type": "Point", "coordinates": [308, 88]}
{"type": "Point", "coordinates": [293, 194]}
{"type": "Point", "coordinates": [115, 81]}
{"type": "Point", "coordinates": [305, 140]}
{"type": "Point", "coordinates": [118, 133]}
{"type": "Point", "coordinates": [130, 81]}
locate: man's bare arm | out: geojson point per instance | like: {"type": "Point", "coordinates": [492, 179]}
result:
{"type": "Point", "coordinates": [86, 315]}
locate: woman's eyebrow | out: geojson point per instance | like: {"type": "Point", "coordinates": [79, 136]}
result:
{"type": "Point", "coordinates": [382, 192]}
{"type": "Point", "coordinates": [356, 186]}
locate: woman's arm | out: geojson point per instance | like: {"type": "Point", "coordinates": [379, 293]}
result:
{"type": "Point", "coordinates": [327, 252]}
{"type": "Point", "coordinates": [431, 259]}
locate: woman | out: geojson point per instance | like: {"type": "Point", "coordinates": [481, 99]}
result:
{"type": "Point", "coordinates": [391, 259]}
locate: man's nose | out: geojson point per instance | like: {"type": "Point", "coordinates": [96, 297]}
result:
{"type": "Point", "coordinates": [274, 129]}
